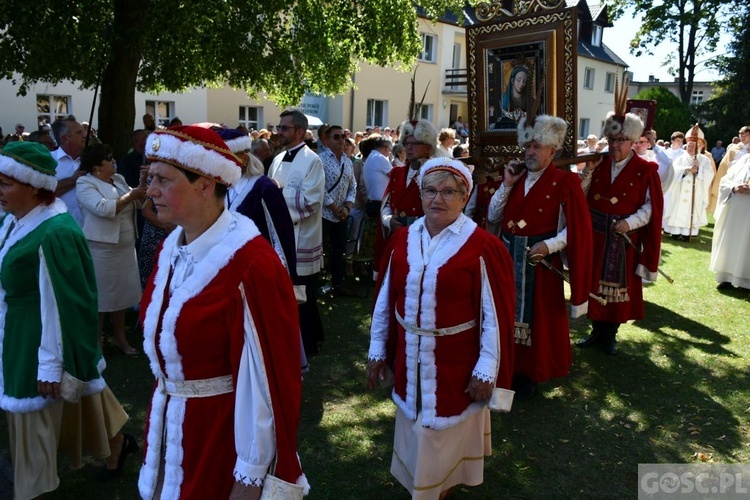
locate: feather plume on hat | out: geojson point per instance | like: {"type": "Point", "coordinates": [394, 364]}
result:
{"type": "Point", "coordinates": [618, 121]}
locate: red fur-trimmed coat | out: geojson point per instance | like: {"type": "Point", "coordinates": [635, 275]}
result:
{"type": "Point", "coordinates": [468, 277]}
{"type": "Point", "coordinates": [234, 315]}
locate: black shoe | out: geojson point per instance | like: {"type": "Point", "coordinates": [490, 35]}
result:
{"type": "Point", "coordinates": [129, 445]}
{"type": "Point", "coordinates": [594, 338]}
{"type": "Point", "coordinates": [343, 291]}
{"type": "Point", "coordinates": [724, 285]}
{"type": "Point", "coordinates": [609, 346]}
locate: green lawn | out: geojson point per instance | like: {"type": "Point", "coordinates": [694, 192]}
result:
{"type": "Point", "coordinates": [676, 392]}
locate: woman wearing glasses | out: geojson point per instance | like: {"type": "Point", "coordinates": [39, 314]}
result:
{"type": "Point", "coordinates": [443, 322]}
{"type": "Point", "coordinates": [109, 206]}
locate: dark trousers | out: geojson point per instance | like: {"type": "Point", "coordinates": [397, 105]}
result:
{"type": "Point", "coordinates": [335, 234]}
{"type": "Point", "coordinates": [605, 328]}
{"type": "Point", "coordinates": [310, 323]}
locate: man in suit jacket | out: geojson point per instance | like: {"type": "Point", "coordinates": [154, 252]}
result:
{"type": "Point", "coordinates": [299, 173]}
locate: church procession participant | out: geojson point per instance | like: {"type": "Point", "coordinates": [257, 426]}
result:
{"type": "Point", "coordinates": [221, 333]}
{"type": "Point", "coordinates": [299, 173]}
{"type": "Point", "coordinates": [625, 199]}
{"type": "Point", "coordinates": [259, 198]}
{"type": "Point", "coordinates": [51, 386]}
{"type": "Point", "coordinates": [542, 212]}
{"type": "Point", "coordinates": [401, 204]}
{"type": "Point", "coordinates": [734, 152]}
{"type": "Point", "coordinates": [442, 322]}
{"type": "Point", "coordinates": [685, 211]}
{"type": "Point", "coordinates": [730, 259]}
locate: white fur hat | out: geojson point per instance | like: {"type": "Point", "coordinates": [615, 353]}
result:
{"type": "Point", "coordinates": [547, 130]}
{"type": "Point", "coordinates": [630, 125]}
{"type": "Point", "coordinates": [199, 150]}
{"type": "Point", "coordinates": [456, 167]}
{"type": "Point", "coordinates": [422, 130]}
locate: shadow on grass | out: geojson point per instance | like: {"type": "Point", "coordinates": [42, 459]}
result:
{"type": "Point", "coordinates": [663, 321]}
{"type": "Point", "coordinates": [672, 393]}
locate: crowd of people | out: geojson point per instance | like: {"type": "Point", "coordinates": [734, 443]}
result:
{"type": "Point", "coordinates": [219, 238]}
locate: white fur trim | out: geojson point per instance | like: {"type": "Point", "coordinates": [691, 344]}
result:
{"type": "Point", "coordinates": [241, 231]}
{"type": "Point", "coordinates": [631, 127]}
{"type": "Point", "coordinates": [420, 350]}
{"type": "Point", "coordinates": [193, 156]}
{"type": "Point", "coordinates": [27, 175]}
{"type": "Point", "coordinates": [644, 273]}
{"type": "Point", "coordinates": [578, 310]}
{"type": "Point", "coordinates": [302, 481]}
{"type": "Point", "coordinates": [548, 130]}
{"type": "Point", "coordinates": [242, 143]}
{"type": "Point", "coordinates": [439, 162]}
{"type": "Point", "coordinates": [423, 132]}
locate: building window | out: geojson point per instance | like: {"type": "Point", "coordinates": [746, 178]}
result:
{"type": "Point", "coordinates": [596, 36]}
{"type": "Point", "coordinates": [162, 111]}
{"type": "Point", "coordinates": [426, 112]}
{"type": "Point", "coordinates": [377, 113]}
{"type": "Point", "coordinates": [609, 83]}
{"type": "Point", "coordinates": [51, 107]}
{"type": "Point", "coordinates": [697, 97]}
{"type": "Point", "coordinates": [583, 128]}
{"type": "Point", "coordinates": [588, 78]}
{"type": "Point", "coordinates": [251, 116]}
{"type": "Point", "coordinates": [429, 48]}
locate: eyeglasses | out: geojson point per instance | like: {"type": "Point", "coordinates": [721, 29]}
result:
{"type": "Point", "coordinates": [618, 140]}
{"type": "Point", "coordinates": [429, 193]}
{"type": "Point", "coordinates": [337, 137]}
{"type": "Point", "coordinates": [284, 128]}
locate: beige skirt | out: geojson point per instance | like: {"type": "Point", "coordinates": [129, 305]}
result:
{"type": "Point", "coordinates": [73, 428]}
{"type": "Point", "coordinates": [427, 461]}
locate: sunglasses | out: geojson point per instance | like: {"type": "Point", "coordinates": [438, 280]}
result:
{"type": "Point", "coordinates": [284, 128]}
{"type": "Point", "coordinates": [336, 137]}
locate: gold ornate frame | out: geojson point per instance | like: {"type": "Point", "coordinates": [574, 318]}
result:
{"type": "Point", "coordinates": [539, 34]}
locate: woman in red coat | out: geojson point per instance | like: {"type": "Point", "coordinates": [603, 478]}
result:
{"type": "Point", "coordinates": [221, 413]}
{"type": "Point", "coordinates": [443, 323]}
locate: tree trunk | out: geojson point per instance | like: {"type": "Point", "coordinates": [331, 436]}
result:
{"type": "Point", "coordinates": [117, 104]}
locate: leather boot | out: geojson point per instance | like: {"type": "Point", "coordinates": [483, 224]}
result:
{"type": "Point", "coordinates": [609, 345]}
{"type": "Point", "coordinates": [594, 338]}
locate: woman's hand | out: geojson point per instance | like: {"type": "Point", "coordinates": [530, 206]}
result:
{"type": "Point", "coordinates": [375, 373]}
{"type": "Point", "coordinates": [479, 390]}
{"type": "Point", "coordinates": [138, 193]}
{"type": "Point", "coordinates": [51, 389]}
{"type": "Point", "coordinates": [242, 492]}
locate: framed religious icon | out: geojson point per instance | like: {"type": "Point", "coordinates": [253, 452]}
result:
{"type": "Point", "coordinates": [644, 109]}
{"type": "Point", "coordinates": [516, 63]}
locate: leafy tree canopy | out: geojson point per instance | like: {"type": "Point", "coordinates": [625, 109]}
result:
{"type": "Point", "coordinates": [729, 110]}
{"type": "Point", "coordinates": [279, 47]}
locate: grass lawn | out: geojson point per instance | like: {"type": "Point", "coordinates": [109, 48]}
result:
{"type": "Point", "coordinates": [676, 393]}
